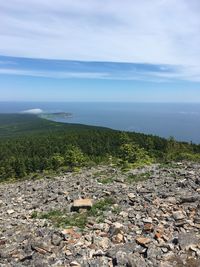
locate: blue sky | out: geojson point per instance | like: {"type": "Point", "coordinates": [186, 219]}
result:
{"type": "Point", "coordinates": [138, 51]}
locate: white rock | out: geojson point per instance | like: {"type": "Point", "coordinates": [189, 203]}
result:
{"type": "Point", "coordinates": [104, 243]}
{"type": "Point", "coordinates": [75, 264]}
{"type": "Point", "coordinates": [118, 225]}
{"type": "Point", "coordinates": [10, 211]}
{"type": "Point", "coordinates": [123, 214]}
{"type": "Point", "coordinates": [131, 195]}
{"type": "Point", "coordinates": [147, 220]}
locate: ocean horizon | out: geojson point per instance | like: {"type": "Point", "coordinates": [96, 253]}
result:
{"type": "Point", "coordinates": [180, 120]}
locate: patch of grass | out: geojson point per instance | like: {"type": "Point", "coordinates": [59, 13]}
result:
{"type": "Point", "coordinates": [51, 214]}
{"type": "Point", "coordinates": [134, 178]}
{"type": "Point", "coordinates": [34, 215]}
{"type": "Point", "coordinates": [60, 218]}
{"type": "Point", "coordinates": [101, 206]}
{"type": "Point", "coordinates": [31, 176]}
{"type": "Point", "coordinates": [116, 210]}
{"type": "Point", "coordinates": [99, 173]}
{"type": "Point", "coordinates": [172, 165]}
{"type": "Point", "coordinates": [106, 180]}
{"type": "Point", "coordinates": [79, 219]}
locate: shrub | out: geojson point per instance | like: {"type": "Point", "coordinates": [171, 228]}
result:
{"type": "Point", "coordinates": [57, 161]}
{"type": "Point", "coordinates": [131, 155]}
{"type": "Point", "coordinates": [74, 157]}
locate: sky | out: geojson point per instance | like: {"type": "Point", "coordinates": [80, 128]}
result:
{"type": "Point", "coordinates": [108, 50]}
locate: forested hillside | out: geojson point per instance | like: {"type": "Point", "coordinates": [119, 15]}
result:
{"type": "Point", "coordinates": [29, 144]}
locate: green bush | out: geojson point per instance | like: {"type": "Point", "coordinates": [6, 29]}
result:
{"type": "Point", "coordinates": [131, 155]}
{"type": "Point", "coordinates": [74, 157]}
{"type": "Point", "coordinates": [57, 161]}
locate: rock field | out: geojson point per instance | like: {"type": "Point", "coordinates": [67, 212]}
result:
{"type": "Point", "coordinates": [103, 217]}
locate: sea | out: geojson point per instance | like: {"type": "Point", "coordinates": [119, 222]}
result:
{"type": "Point", "coordinates": [178, 120]}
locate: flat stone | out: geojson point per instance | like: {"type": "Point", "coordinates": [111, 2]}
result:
{"type": "Point", "coordinates": [147, 220]}
{"type": "Point", "coordinates": [164, 249]}
{"type": "Point", "coordinates": [171, 200]}
{"type": "Point", "coordinates": [143, 241]}
{"type": "Point", "coordinates": [153, 251]}
{"type": "Point", "coordinates": [189, 198]}
{"type": "Point", "coordinates": [131, 196]}
{"type": "Point", "coordinates": [75, 264]}
{"type": "Point", "coordinates": [197, 220]}
{"type": "Point", "coordinates": [166, 264]}
{"type": "Point", "coordinates": [40, 249]}
{"type": "Point", "coordinates": [180, 223]}
{"type": "Point", "coordinates": [56, 239]}
{"type": "Point", "coordinates": [82, 204]}
{"type": "Point", "coordinates": [148, 227]}
{"type": "Point", "coordinates": [158, 234]}
{"type": "Point", "coordinates": [117, 225]}
{"type": "Point", "coordinates": [115, 228]}
{"type": "Point", "coordinates": [127, 248]}
{"type": "Point", "coordinates": [119, 238]}
{"type": "Point", "coordinates": [121, 258]}
{"type": "Point", "coordinates": [70, 233]}
{"type": "Point", "coordinates": [104, 243]}
{"type": "Point", "coordinates": [178, 215]}
{"type": "Point", "coordinates": [186, 240]}
{"type": "Point", "coordinates": [135, 260]}
{"type": "Point", "coordinates": [123, 214]}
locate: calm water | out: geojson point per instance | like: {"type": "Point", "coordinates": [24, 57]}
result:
{"type": "Point", "coordinates": [179, 120]}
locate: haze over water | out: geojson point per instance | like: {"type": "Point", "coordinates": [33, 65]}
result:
{"type": "Point", "coordinates": [181, 121]}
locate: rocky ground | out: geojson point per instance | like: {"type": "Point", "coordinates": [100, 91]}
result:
{"type": "Point", "coordinates": [141, 218]}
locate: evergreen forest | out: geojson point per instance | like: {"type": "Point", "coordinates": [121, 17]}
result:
{"type": "Point", "coordinates": [30, 145]}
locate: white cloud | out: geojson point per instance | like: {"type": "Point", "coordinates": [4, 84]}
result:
{"type": "Point", "coordinates": [162, 73]}
{"type": "Point", "coordinates": [156, 31]}
{"type": "Point", "coordinates": [54, 74]}
{"type": "Point", "coordinates": [34, 111]}
{"type": "Point", "coordinates": [152, 76]}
